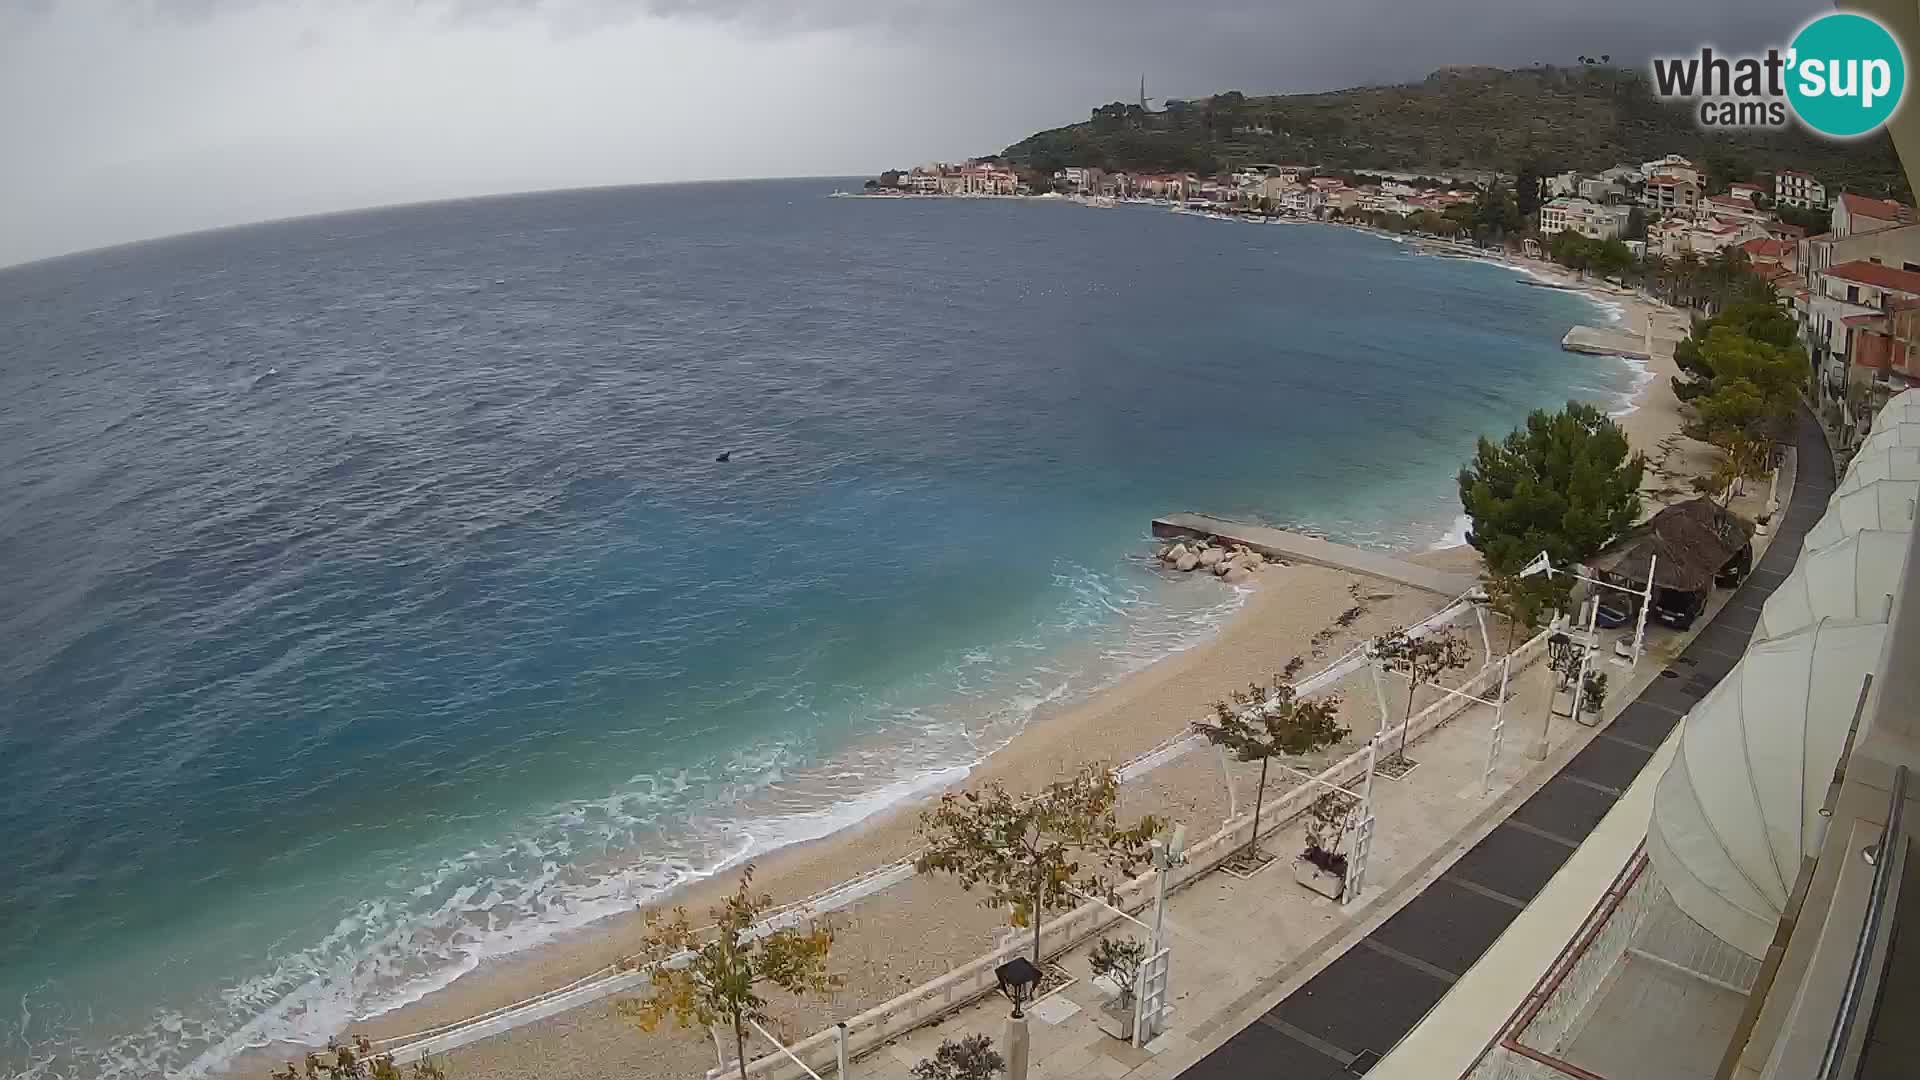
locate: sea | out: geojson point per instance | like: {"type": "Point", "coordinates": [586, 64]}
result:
{"type": "Point", "coordinates": [373, 602]}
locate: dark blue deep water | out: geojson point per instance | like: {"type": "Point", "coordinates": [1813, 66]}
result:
{"type": "Point", "coordinates": [371, 601]}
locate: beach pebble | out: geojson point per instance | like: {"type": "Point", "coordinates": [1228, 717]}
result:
{"type": "Point", "coordinates": [1236, 575]}
{"type": "Point", "coordinates": [1186, 562]}
{"type": "Point", "coordinates": [1211, 556]}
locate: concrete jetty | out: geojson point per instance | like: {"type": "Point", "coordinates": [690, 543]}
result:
{"type": "Point", "coordinates": [1593, 339]}
{"type": "Point", "coordinates": [1299, 547]}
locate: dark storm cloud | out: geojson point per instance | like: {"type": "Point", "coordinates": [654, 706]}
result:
{"type": "Point", "coordinates": [1197, 46]}
{"type": "Point", "coordinates": [134, 118]}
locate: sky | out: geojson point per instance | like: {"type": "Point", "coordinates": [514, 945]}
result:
{"type": "Point", "coordinates": [129, 119]}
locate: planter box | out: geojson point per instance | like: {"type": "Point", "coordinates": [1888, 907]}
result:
{"type": "Point", "coordinates": [1326, 884]}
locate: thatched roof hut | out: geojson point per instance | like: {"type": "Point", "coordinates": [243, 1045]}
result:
{"type": "Point", "coordinates": [1692, 540]}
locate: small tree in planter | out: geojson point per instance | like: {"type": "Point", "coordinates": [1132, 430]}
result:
{"type": "Point", "coordinates": [1326, 828]}
{"type": "Point", "coordinates": [971, 1058]}
{"type": "Point", "coordinates": [1027, 852]}
{"type": "Point", "coordinates": [719, 981]}
{"type": "Point", "coordinates": [1522, 601]}
{"type": "Point", "coordinates": [1595, 696]}
{"type": "Point", "coordinates": [1257, 726]}
{"type": "Point", "coordinates": [1421, 660]}
{"type": "Point", "coordinates": [1119, 961]}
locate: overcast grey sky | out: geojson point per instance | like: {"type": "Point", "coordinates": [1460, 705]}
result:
{"type": "Point", "coordinates": [125, 119]}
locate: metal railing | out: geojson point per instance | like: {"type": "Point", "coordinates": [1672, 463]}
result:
{"type": "Point", "coordinates": [1885, 857]}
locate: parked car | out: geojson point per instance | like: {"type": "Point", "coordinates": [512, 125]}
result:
{"type": "Point", "coordinates": [1680, 618]}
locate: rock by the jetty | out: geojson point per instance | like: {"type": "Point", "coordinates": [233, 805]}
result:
{"type": "Point", "coordinates": [1221, 568]}
{"type": "Point", "coordinates": [1175, 553]}
{"type": "Point", "coordinates": [1186, 562]}
{"type": "Point", "coordinates": [1236, 575]}
{"type": "Point", "coordinates": [1211, 556]}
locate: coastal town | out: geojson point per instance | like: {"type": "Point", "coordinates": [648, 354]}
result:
{"type": "Point", "coordinates": [1847, 265]}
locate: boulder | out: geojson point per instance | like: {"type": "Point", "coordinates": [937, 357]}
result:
{"type": "Point", "coordinates": [1254, 560]}
{"type": "Point", "coordinates": [1175, 553]}
{"type": "Point", "coordinates": [1236, 575]}
{"type": "Point", "coordinates": [1211, 556]}
{"type": "Point", "coordinates": [1186, 562]}
{"type": "Point", "coordinates": [1220, 568]}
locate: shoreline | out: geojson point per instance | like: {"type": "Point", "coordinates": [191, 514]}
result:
{"type": "Point", "coordinates": [1283, 610]}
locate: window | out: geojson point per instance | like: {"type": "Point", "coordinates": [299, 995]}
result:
{"type": "Point", "coordinates": [1853, 294]}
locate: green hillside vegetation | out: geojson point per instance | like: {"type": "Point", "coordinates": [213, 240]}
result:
{"type": "Point", "coordinates": [1544, 119]}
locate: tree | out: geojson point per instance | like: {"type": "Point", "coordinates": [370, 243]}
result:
{"type": "Point", "coordinates": [970, 1058]}
{"type": "Point", "coordinates": [1119, 961]}
{"type": "Point", "coordinates": [1027, 853]}
{"type": "Point", "coordinates": [1520, 600]}
{"type": "Point", "coordinates": [1565, 484]}
{"type": "Point", "coordinates": [1421, 660]}
{"type": "Point", "coordinates": [355, 1060]}
{"type": "Point", "coordinates": [700, 983]}
{"type": "Point", "coordinates": [1568, 248]}
{"type": "Point", "coordinates": [1255, 725]}
{"type": "Point", "coordinates": [1526, 190]}
{"type": "Point", "coordinates": [1609, 258]}
{"type": "Point", "coordinates": [1636, 224]}
{"type": "Point", "coordinates": [423, 1069]}
{"type": "Point", "coordinates": [1741, 372]}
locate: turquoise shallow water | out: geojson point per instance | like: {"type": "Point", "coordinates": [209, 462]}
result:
{"type": "Point", "coordinates": [376, 604]}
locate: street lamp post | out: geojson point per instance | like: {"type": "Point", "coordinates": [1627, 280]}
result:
{"type": "Point", "coordinates": [1018, 979]}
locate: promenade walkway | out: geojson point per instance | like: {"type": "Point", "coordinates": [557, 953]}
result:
{"type": "Point", "coordinates": [1299, 547]}
{"type": "Point", "coordinates": [1353, 1011]}
{"type": "Point", "coordinates": [1269, 981]}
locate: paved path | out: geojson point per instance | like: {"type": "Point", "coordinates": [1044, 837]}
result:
{"type": "Point", "coordinates": [1353, 1012]}
{"type": "Point", "coordinates": [1299, 547]}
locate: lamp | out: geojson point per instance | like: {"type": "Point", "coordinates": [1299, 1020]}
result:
{"type": "Point", "coordinates": [1018, 980]}
{"type": "Point", "coordinates": [1559, 651]}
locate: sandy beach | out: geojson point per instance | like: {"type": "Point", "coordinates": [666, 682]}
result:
{"type": "Point", "coordinates": [919, 929]}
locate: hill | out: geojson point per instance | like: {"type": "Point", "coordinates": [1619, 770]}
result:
{"type": "Point", "coordinates": [1457, 119]}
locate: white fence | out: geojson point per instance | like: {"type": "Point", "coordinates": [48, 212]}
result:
{"type": "Point", "coordinates": [967, 983]}
{"type": "Point", "coordinates": [964, 985]}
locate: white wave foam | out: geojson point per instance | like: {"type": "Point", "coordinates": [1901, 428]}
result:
{"type": "Point", "coordinates": [1456, 536]}
{"type": "Point", "coordinates": [1643, 377]}
{"type": "Point", "coordinates": [586, 860]}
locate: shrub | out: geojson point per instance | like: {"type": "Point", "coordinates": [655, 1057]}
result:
{"type": "Point", "coordinates": [971, 1058]}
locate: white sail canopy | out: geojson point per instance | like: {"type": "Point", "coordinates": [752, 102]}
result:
{"type": "Point", "coordinates": [1882, 504]}
{"type": "Point", "coordinates": [1887, 463]}
{"type": "Point", "coordinates": [1848, 580]}
{"type": "Point", "coordinates": [1900, 408]}
{"type": "Point", "coordinates": [1739, 805]}
{"type": "Point", "coordinates": [1889, 434]}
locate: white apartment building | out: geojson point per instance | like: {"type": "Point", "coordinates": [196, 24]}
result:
{"type": "Point", "coordinates": [1671, 165]}
{"type": "Point", "coordinates": [1792, 188]}
{"type": "Point", "coordinates": [1672, 193]}
{"type": "Point", "coordinates": [1589, 219]}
